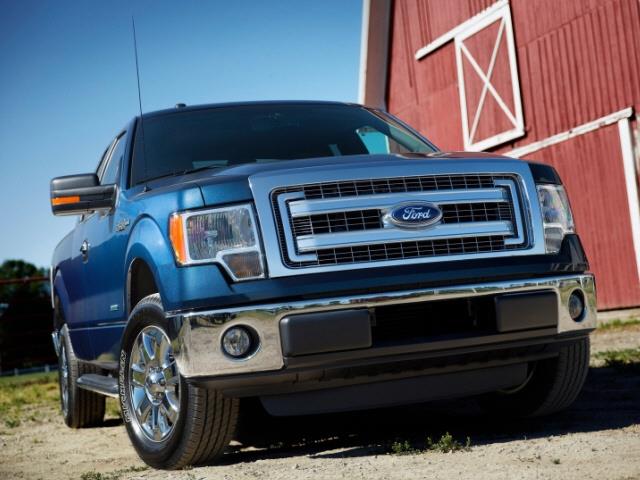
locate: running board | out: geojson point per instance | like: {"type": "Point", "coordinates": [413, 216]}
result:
{"type": "Point", "coordinates": [99, 384]}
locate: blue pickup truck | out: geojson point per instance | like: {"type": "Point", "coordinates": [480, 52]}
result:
{"type": "Point", "coordinates": [317, 256]}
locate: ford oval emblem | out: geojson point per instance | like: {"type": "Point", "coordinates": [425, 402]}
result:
{"type": "Point", "coordinates": [414, 214]}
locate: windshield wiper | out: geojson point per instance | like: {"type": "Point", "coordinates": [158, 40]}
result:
{"type": "Point", "coordinates": [181, 172]}
{"type": "Point", "coordinates": [199, 169]}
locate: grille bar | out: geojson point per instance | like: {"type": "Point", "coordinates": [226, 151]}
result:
{"type": "Point", "coordinates": [408, 250]}
{"type": "Point", "coordinates": [337, 204]}
{"type": "Point", "coordinates": [397, 185]}
{"type": "Point", "coordinates": [371, 219]}
{"type": "Point", "coordinates": [310, 243]}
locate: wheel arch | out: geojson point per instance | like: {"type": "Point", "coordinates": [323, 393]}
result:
{"type": "Point", "coordinates": [59, 292]}
{"type": "Point", "coordinates": [141, 282]}
{"type": "Point", "coordinates": [149, 261]}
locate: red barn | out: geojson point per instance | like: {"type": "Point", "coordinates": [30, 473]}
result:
{"type": "Point", "coordinates": [552, 81]}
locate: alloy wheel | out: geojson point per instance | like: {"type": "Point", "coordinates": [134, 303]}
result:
{"type": "Point", "coordinates": [63, 375]}
{"type": "Point", "coordinates": [154, 384]}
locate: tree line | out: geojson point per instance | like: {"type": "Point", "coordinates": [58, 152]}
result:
{"type": "Point", "coordinates": [25, 316]}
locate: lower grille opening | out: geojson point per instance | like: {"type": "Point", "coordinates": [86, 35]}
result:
{"type": "Point", "coordinates": [429, 321]}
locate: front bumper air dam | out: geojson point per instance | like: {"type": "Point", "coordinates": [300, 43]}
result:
{"type": "Point", "coordinates": [197, 336]}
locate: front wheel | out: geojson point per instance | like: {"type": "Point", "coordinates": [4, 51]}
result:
{"type": "Point", "coordinates": [171, 423]}
{"type": "Point", "coordinates": [552, 385]}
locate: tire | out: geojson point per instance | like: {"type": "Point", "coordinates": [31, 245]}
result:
{"type": "Point", "coordinates": [80, 408]}
{"type": "Point", "coordinates": [552, 385]}
{"type": "Point", "coordinates": [183, 424]}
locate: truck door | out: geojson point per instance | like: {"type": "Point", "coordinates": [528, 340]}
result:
{"type": "Point", "coordinates": [105, 234]}
{"type": "Point", "coordinates": [73, 275]}
{"type": "Point", "coordinates": [73, 271]}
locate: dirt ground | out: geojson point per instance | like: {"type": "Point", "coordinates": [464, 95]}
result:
{"type": "Point", "coordinates": [599, 438]}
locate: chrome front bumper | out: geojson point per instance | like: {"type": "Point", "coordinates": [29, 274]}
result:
{"type": "Point", "coordinates": [196, 336]}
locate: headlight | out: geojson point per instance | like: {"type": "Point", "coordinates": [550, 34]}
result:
{"type": "Point", "coordinates": [556, 215]}
{"type": "Point", "coordinates": [227, 236]}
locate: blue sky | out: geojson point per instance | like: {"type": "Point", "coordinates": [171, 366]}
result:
{"type": "Point", "coordinates": [67, 81]}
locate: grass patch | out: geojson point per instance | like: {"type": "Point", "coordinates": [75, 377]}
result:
{"type": "Point", "coordinates": [625, 359]}
{"type": "Point", "coordinates": [448, 444]}
{"type": "Point", "coordinates": [445, 444]}
{"type": "Point", "coordinates": [403, 448]}
{"type": "Point", "coordinates": [21, 393]}
{"type": "Point", "coordinates": [93, 475]}
{"type": "Point", "coordinates": [619, 324]}
{"type": "Point", "coordinates": [112, 408]}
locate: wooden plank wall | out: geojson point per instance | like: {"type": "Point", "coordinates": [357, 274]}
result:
{"type": "Point", "coordinates": [578, 60]}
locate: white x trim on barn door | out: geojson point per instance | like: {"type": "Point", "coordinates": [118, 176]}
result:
{"type": "Point", "coordinates": [486, 79]}
{"type": "Point", "coordinates": [503, 15]}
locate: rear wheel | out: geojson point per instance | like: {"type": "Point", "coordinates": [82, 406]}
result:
{"type": "Point", "coordinates": [80, 408]}
{"type": "Point", "coordinates": [551, 386]}
{"type": "Point", "coordinates": [171, 423]}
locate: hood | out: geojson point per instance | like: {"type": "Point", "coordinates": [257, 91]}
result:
{"type": "Point", "coordinates": [231, 184]}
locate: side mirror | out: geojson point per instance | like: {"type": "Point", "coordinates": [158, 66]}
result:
{"type": "Point", "coordinates": [80, 194]}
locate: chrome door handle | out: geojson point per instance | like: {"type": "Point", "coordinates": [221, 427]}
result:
{"type": "Point", "coordinates": [84, 249]}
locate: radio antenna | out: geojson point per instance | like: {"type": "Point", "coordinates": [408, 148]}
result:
{"type": "Point", "coordinates": [135, 51]}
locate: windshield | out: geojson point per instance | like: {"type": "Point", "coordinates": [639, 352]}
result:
{"type": "Point", "coordinates": [181, 142]}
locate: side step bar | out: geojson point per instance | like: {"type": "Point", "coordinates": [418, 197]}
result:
{"type": "Point", "coordinates": [99, 384]}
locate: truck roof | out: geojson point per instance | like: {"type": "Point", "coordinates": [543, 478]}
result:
{"type": "Point", "coordinates": [207, 106]}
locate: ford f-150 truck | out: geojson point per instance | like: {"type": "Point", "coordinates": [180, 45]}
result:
{"type": "Point", "coordinates": [317, 256]}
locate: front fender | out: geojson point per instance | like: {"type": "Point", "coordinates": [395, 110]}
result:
{"type": "Point", "coordinates": [179, 287]}
{"type": "Point", "coordinates": [148, 243]}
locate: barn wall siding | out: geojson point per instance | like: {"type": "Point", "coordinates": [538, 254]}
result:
{"type": "Point", "coordinates": [604, 231]}
{"type": "Point", "coordinates": [580, 70]}
{"type": "Point", "coordinates": [577, 60]}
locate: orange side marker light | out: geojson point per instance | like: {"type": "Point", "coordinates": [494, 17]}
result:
{"type": "Point", "coordinates": [176, 235]}
{"type": "Point", "coordinates": [64, 200]}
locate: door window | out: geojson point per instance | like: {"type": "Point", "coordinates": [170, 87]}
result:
{"type": "Point", "coordinates": [110, 173]}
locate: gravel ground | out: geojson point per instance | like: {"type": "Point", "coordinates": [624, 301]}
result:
{"type": "Point", "coordinates": [599, 438]}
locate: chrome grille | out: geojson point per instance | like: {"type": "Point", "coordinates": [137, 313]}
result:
{"type": "Point", "coordinates": [336, 223]}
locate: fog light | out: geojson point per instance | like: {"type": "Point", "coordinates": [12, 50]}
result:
{"type": "Point", "coordinates": [576, 305]}
{"type": "Point", "coordinates": [237, 342]}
